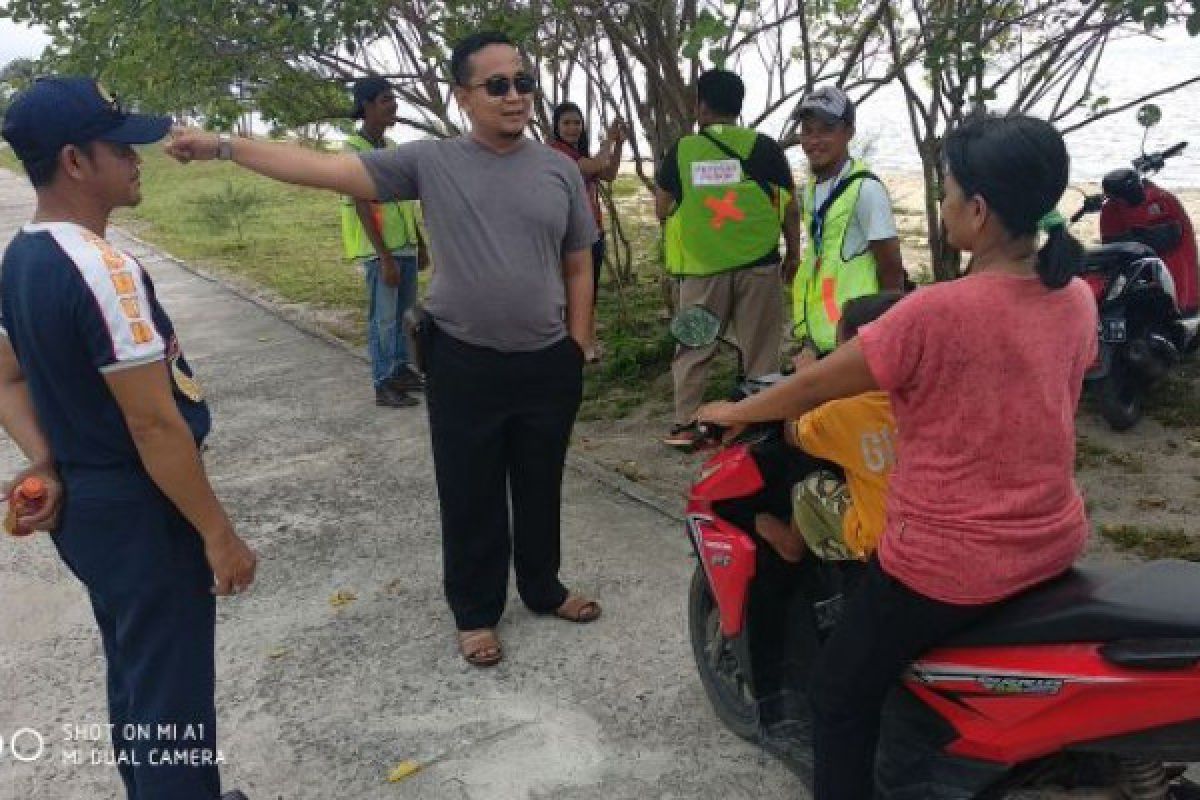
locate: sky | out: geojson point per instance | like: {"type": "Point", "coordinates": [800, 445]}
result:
{"type": "Point", "coordinates": [19, 41]}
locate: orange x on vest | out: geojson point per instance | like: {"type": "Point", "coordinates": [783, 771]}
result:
{"type": "Point", "coordinates": [723, 209]}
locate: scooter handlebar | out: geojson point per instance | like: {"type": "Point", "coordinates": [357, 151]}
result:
{"type": "Point", "coordinates": [1153, 162]}
{"type": "Point", "coordinates": [710, 433]}
{"type": "Point", "coordinates": [1171, 152]}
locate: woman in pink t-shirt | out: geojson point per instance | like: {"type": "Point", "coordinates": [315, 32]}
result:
{"type": "Point", "coordinates": [570, 138]}
{"type": "Point", "coordinates": [984, 375]}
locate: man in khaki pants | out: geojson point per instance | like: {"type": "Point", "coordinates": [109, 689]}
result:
{"type": "Point", "coordinates": [729, 189]}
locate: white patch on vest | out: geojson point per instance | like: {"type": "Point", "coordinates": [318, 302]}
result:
{"type": "Point", "coordinates": [716, 173]}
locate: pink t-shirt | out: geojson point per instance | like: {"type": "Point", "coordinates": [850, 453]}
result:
{"type": "Point", "coordinates": [590, 184]}
{"type": "Point", "coordinates": [984, 375]}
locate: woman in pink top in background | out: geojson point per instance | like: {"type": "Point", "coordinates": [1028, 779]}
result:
{"type": "Point", "coordinates": [984, 375]}
{"type": "Point", "coordinates": [570, 137]}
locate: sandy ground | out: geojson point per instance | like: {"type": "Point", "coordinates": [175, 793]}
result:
{"type": "Point", "coordinates": [317, 701]}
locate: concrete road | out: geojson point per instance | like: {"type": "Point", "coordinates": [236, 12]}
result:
{"type": "Point", "coordinates": [321, 702]}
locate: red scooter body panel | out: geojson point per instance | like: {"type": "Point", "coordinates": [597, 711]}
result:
{"type": "Point", "coordinates": [728, 556]}
{"type": "Point", "coordinates": [1160, 207]}
{"type": "Point", "coordinates": [731, 473]}
{"type": "Point", "coordinates": [727, 553]}
{"type": "Point", "coordinates": [1016, 703]}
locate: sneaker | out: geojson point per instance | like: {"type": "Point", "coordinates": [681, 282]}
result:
{"type": "Point", "coordinates": [388, 397]}
{"type": "Point", "coordinates": [682, 437]}
{"type": "Point", "coordinates": [408, 380]}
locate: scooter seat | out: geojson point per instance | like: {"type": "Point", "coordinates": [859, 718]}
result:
{"type": "Point", "coordinates": [1158, 599]}
{"type": "Point", "coordinates": [1108, 257]}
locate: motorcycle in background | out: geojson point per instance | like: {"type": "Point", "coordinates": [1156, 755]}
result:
{"type": "Point", "coordinates": [1146, 280]}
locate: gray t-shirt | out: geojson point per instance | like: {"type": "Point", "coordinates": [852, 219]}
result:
{"type": "Point", "coordinates": [872, 220]}
{"type": "Point", "coordinates": [499, 226]}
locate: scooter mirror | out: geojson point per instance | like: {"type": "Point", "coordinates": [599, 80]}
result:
{"type": "Point", "coordinates": [1149, 115]}
{"type": "Point", "coordinates": [696, 327]}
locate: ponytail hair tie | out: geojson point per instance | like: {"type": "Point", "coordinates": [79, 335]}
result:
{"type": "Point", "coordinates": [1052, 221]}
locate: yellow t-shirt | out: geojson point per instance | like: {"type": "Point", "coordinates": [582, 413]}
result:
{"type": "Point", "coordinates": [858, 434]}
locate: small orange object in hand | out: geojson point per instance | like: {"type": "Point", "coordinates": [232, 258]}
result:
{"type": "Point", "coordinates": [25, 499]}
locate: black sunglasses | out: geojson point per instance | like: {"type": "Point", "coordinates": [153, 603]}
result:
{"type": "Point", "coordinates": [500, 85]}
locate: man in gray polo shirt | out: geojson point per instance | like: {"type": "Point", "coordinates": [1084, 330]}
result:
{"type": "Point", "coordinates": [510, 310]}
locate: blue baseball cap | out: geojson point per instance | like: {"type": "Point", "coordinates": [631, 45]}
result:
{"type": "Point", "coordinates": [60, 110]}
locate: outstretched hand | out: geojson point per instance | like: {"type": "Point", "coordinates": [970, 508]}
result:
{"type": "Point", "coordinates": [189, 144]}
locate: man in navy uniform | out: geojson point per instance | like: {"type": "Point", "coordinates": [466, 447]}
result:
{"type": "Point", "coordinates": [95, 390]}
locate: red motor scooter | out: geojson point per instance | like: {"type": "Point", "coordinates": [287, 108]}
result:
{"type": "Point", "coordinates": [1085, 687]}
{"type": "Point", "coordinates": [1146, 279]}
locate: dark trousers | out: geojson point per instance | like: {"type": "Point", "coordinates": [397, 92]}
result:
{"type": "Point", "coordinates": [500, 424]}
{"type": "Point", "coordinates": [144, 569]}
{"type": "Point", "coordinates": [598, 249]}
{"type": "Point", "coordinates": [885, 627]}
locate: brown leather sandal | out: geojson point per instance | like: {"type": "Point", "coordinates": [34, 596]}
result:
{"type": "Point", "coordinates": [480, 647]}
{"type": "Point", "coordinates": [578, 609]}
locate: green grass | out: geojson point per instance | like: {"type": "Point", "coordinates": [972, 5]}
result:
{"type": "Point", "coordinates": [1173, 401]}
{"type": "Point", "coordinates": [1130, 462]}
{"type": "Point", "coordinates": [633, 328]}
{"type": "Point", "coordinates": [1088, 453]}
{"type": "Point", "coordinates": [1151, 543]}
{"type": "Point", "coordinates": [291, 239]}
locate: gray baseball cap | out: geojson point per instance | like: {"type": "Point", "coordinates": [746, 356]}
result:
{"type": "Point", "coordinates": [828, 103]}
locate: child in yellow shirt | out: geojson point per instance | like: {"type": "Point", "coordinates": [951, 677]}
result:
{"type": "Point", "coordinates": [841, 520]}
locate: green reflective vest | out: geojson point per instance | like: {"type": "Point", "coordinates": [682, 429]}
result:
{"type": "Point", "coordinates": [397, 222]}
{"type": "Point", "coordinates": [725, 220]}
{"type": "Point", "coordinates": [826, 279]}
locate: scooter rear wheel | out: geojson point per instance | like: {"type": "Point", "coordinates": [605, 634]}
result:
{"type": "Point", "coordinates": [728, 688]}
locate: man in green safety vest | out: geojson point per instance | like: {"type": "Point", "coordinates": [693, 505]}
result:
{"type": "Point", "coordinates": [852, 247]}
{"type": "Point", "coordinates": [386, 238]}
{"type": "Point", "coordinates": [724, 195]}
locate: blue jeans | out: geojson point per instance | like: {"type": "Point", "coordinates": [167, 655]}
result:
{"type": "Point", "coordinates": [385, 308]}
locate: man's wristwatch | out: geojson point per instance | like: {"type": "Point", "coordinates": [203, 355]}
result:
{"type": "Point", "coordinates": [225, 147]}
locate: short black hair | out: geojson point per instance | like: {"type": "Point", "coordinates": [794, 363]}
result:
{"type": "Point", "coordinates": [859, 311]}
{"type": "Point", "coordinates": [460, 68]}
{"type": "Point", "coordinates": [366, 90]}
{"type": "Point", "coordinates": [42, 173]}
{"type": "Point", "coordinates": [722, 91]}
{"type": "Point", "coordinates": [561, 110]}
